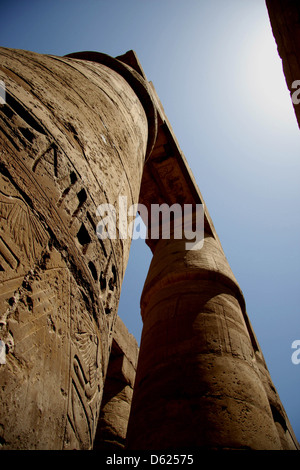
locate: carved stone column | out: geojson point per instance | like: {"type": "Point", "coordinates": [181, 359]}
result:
{"type": "Point", "coordinates": [118, 390]}
{"type": "Point", "coordinates": [285, 22]}
{"type": "Point", "coordinates": [198, 383]}
{"type": "Point", "coordinates": [201, 379]}
{"type": "Point", "coordinates": [74, 134]}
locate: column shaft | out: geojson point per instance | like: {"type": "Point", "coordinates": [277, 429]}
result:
{"type": "Point", "coordinates": [73, 136]}
{"type": "Point", "coordinates": [198, 384]}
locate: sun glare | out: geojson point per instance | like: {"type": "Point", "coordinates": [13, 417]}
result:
{"type": "Point", "coordinates": [266, 83]}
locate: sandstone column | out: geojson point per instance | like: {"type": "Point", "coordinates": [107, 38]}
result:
{"type": "Point", "coordinates": [74, 134]}
{"type": "Point", "coordinates": [201, 380]}
{"type": "Point", "coordinates": [285, 21]}
{"type": "Point", "coordinates": [118, 390]}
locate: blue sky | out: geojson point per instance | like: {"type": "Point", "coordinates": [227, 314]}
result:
{"type": "Point", "coordinates": [216, 70]}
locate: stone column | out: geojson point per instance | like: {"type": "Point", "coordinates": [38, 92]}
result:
{"type": "Point", "coordinates": [118, 390]}
{"type": "Point", "coordinates": [74, 134]}
{"type": "Point", "coordinates": [285, 22]}
{"type": "Point", "coordinates": [198, 383]}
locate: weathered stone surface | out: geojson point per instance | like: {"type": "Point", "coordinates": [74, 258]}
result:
{"type": "Point", "coordinates": [118, 390]}
{"type": "Point", "coordinates": [197, 372]}
{"type": "Point", "coordinates": [74, 135]}
{"type": "Point", "coordinates": [285, 21]}
{"type": "Point", "coordinates": [201, 373]}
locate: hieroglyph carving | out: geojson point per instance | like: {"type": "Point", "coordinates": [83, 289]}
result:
{"type": "Point", "coordinates": [59, 282]}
